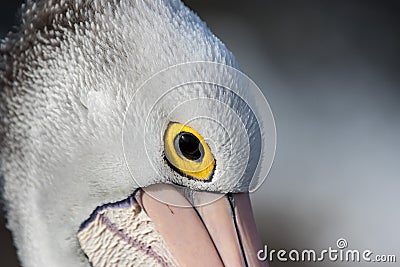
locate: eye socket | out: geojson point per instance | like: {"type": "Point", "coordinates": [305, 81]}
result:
{"type": "Point", "coordinates": [187, 152]}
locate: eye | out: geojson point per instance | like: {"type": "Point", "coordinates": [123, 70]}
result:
{"type": "Point", "coordinates": [187, 152]}
{"type": "Point", "coordinates": [189, 146]}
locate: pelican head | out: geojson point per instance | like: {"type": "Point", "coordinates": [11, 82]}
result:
{"type": "Point", "coordinates": [128, 138]}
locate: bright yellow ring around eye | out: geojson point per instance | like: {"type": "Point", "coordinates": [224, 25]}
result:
{"type": "Point", "coordinates": [200, 167]}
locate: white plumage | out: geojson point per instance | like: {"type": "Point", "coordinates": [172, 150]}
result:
{"type": "Point", "coordinates": [67, 77]}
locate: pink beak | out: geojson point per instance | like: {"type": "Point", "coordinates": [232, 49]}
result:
{"type": "Point", "coordinates": [222, 233]}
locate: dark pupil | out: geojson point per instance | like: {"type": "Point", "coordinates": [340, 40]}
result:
{"type": "Point", "coordinates": [189, 146]}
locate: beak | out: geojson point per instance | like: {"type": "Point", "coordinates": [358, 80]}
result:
{"type": "Point", "coordinates": [222, 233]}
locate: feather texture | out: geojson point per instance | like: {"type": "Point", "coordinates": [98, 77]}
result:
{"type": "Point", "coordinates": [67, 75]}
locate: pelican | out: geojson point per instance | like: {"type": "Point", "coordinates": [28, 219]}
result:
{"type": "Point", "coordinates": [113, 150]}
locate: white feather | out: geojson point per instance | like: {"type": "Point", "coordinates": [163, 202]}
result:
{"type": "Point", "coordinates": [67, 77]}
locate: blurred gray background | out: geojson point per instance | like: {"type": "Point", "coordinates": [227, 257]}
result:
{"type": "Point", "coordinates": [330, 71]}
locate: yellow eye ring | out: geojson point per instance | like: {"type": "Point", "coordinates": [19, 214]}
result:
{"type": "Point", "coordinates": [187, 152]}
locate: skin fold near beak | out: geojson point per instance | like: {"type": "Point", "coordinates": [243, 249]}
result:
{"type": "Point", "coordinates": [221, 233]}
